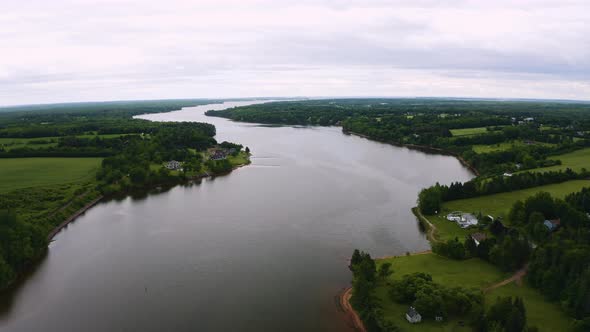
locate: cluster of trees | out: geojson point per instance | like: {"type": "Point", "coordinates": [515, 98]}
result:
{"type": "Point", "coordinates": [365, 277]}
{"type": "Point", "coordinates": [560, 265]}
{"type": "Point", "coordinates": [431, 299]}
{"type": "Point", "coordinates": [508, 251]}
{"type": "Point", "coordinates": [20, 242]}
{"type": "Point", "coordinates": [430, 199]}
{"type": "Point", "coordinates": [508, 315]}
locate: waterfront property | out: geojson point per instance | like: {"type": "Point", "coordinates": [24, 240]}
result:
{"type": "Point", "coordinates": [218, 155]}
{"type": "Point", "coordinates": [464, 220]}
{"type": "Point", "coordinates": [174, 165]}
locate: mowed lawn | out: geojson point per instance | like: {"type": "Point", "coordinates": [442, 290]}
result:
{"type": "Point", "coordinates": [500, 204]}
{"type": "Point", "coordinates": [547, 316]}
{"type": "Point", "coordinates": [471, 273]}
{"type": "Point", "coordinates": [16, 173]}
{"type": "Point", "coordinates": [575, 160]}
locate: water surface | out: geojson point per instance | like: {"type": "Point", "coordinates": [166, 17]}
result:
{"type": "Point", "coordinates": [264, 248]}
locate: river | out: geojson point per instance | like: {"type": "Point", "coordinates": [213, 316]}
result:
{"type": "Point", "coordinates": [264, 248]}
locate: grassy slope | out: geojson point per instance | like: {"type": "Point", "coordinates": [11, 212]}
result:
{"type": "Point", "coordinates": [500, 204]}
{"type": "Point", "coordinates": [575, 160]}
{"type": "Point", "coordinates": [18, 173]}
{"type": "Point", "coordinates": [547, 316]}
{"type": "Point", "coordinates": [472, 273]}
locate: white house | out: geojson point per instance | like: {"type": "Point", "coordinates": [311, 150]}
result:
{"type": "Point", "coordinates": [173, 165]}
{"type": "Point", "coordinates": [413, 316]}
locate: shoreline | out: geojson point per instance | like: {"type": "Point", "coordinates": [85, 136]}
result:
{"type": "Point", "coordinates": [423, 148]}
{"type": "Point", "coordinates": [73, 217]}
{"type": "Point", "coordinates": [56, 230]}
{"type": "Point", "coordinates": [344, 298]}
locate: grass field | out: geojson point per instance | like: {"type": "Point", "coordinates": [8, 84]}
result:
{"type": "Point", "coordinates": [500, 204]}
{"type": "Point", "coordinates": [13, 143]}
{"type": "Point", "coordinates": [575, 160]}
{"type": "Point", "coordinates": [469, 131]}
{"type": "Point", "coordinates": [472, 273]}
{"type": "Point", "coordinates": [545, 315]}
{"type": "Point", "coordinates": [502, 146]}
{"type": "Point", "coordinates": [497, 205]}
{"type": "Point", "coordinates": [17, 173]}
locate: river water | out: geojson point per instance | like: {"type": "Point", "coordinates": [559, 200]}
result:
{"type": "Point", "coordinates": [264, 248]}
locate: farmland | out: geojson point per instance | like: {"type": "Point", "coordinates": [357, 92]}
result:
{"type": "Point", "coordinates": [18, 173]}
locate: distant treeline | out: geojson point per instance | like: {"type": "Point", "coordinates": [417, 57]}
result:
{"type": "Point", "coordinates": [428, 123]}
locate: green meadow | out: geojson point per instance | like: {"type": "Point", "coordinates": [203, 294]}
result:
{"type": "Point", "coordinates": [18, 173]}
{"type": "Point", "coordinates": [471, 273]}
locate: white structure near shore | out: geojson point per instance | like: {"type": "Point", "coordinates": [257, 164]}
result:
{"type": "Point", "coordinates": [464, 220]}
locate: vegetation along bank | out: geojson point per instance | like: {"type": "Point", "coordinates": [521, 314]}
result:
{"type": "Point", "coordinates": [57, 161]}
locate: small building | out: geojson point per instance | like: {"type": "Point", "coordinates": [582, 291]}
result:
{"type": "Point", "coordinates": [478, 237]}
{"type": "Point", "coordinates": [218, 155]}
{"type": "Point", "coordinates": [438, 318]}
{"type": "Point", "coordinates": [173, 165]}
{"type": "Point", "coordinates": [507, 174]}
{"type": "Point", "coordinates": [413, 316]}
{"type": "Point", "coordinates": [464, 220]}
{"type": "Point", "coordinates": [529, 119]}
{"type": "Point", "coordinates": [552, 224]}
{"type": "Point", "coordinates": [518, 166]}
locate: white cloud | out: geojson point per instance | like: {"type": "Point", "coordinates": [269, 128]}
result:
{"type": "Point", "coordinates": [71, 50]}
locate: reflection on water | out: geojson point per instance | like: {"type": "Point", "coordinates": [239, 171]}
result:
{"type": "Point", "coordinates": [264, 248]}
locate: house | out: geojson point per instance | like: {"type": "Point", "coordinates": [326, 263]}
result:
{"type": "Point", "coordinates": [218, 155]}
{"type": "Point", "coordinates": [464, 220]}
{"type": "Point", "coordinates": [438, 318]}
{"type": "Point", "coordinates": [552, 224]}
{"type": "Point", "coordinates": [173, 165]}
{"type": "Point", "coordinates": [518, 166]}
{"type": "Point", "coordinates": [529, 119]}
{"type": "Point", "coordinates": [507, 174]}
{"type": "Point", "coordinates": [478, 237]}
{"type": "Point", "coordinates": [413, 316]}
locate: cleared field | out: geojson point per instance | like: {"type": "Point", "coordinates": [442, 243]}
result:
{"type": "Point", "coordinates": [469, 131]}
{"type": "Point", "coordinates": [500, 204]}
{"type": "Point", "coordinates": [503, 146]}
{"type": "Point", "coordinates": [547, 316]}
{"type": "Point", "coordinates": [42, 142]}
{"type": "Point", "coordinates": [575, 160]}
{"type": "Point", "coordinates": [471, 273]}
{"type": "Point", "coordinates": [33, 143]}
{"type": "Point", "coordinates": [17, 173]}
{"type": "Point", "coordinates": [497, 205]}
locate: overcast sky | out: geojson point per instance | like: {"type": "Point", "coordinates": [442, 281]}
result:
{"type": "Point", "coordinates": [81, 50]}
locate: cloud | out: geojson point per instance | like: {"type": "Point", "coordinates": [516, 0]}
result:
{"type": "Point", "coordinates": [72, 50]}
